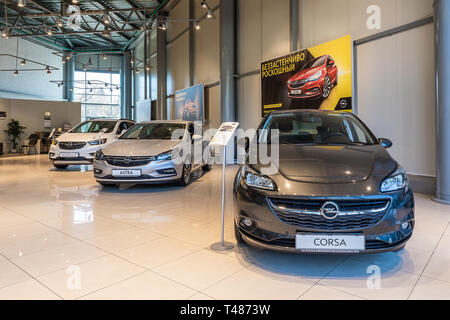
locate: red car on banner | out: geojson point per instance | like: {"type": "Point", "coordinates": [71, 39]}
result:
{"type": "Point", "coordinates": [316, 80]}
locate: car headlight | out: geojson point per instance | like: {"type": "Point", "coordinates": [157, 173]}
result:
{"type": "Point", "coordinates": [315, 76]}
{"type": "Point", "coordinates": [169, 155]}
{"type": "Point", "coordinates": [395, 181]}
{"type": "Point", "coordinates": [99, 155]}
{"type": "Point", "coordinates": [98, 142]}
{"type": "Point", "coordinates": [256, 180]}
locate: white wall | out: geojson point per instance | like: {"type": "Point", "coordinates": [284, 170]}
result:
{"type": "Point", "coordinates": [30, 113]}
{"type": "Point", "coordinates": [31, 84]}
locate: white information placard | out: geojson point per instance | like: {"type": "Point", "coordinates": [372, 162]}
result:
{"type": "Point", "coordinates": [224, 134]}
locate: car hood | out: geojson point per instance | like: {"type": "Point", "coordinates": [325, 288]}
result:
{"type": "Point", "coordinates": [124, 147]}
{"type": "Point", "coordinates": [304, 74]}
{"type": "Point", "coordinates": [73, 137]}
{"type": "Point", "coordinates": [334, 164]}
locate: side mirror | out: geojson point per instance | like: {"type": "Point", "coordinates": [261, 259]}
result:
{"type": "Point", "coordinates": [196, 137]}
{"type": "Point", "coordinates": [385, 142]}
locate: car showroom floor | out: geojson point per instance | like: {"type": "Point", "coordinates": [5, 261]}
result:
{"type": "Point", "coordinates": [63, 237]}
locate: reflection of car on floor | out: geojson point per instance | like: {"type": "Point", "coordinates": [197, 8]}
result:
{"type": "Point", "coordinates": [148, 154]}
{"type": "Point", "coordinates": [78, 146]}
{"type": "Point", "coordinates": [337, 189]}
{"type": "Point", "coordinates": [316, 79]}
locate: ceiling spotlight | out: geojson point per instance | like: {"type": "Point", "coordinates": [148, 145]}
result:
{"type": "Point", "coordinates": [197, 26]}
{"type": "Point", "coordinates": [59, 23]}
{"type": "Point", "coordinates": [137, 71]}
{"type": "Point", "coordinates": [70, 89]}
{"type": "Point", "coordinates": [21, 3]}
{"type": "Point", "coordinates": [162, 26]}
{"type": "Point", "coordinates": [147, 67]}
{"type": "Point", "coordinates": [132, 61]}
{"type": "Point", "coordinates": [47, 68]}
{"type": "Point", "coordinates": [23, 62]}
{"type": "Point", "coordinates": [63, 59]}
{"type": "Point", "coordinates": [106, 33]}
{"type": "Point", "coordinates": [5, 33]}
{"type": "Point", "coordinates": [106, 18]}
{"type": "Point", "coordinates": [204, 4]}
{"type": "Point", "coordinates": [84, 67]}
{"type": "Point", "coordinates": [68, 56]}
{"type": "Point", "coordinates": [210, 15]}
{"type": "Point", "coordinates": [105, 57]}
{"type": "Point", "coordinates": [48, 31]}
{"type": "Point", "coordinates": [16, 73]}
{"type": "Point", "coordinates": [75, 1]}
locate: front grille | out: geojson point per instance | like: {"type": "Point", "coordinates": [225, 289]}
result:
{"type": "Point", "coordinates": [298, 84]}
{"type": "Point", "coordinates": [128, 161]}
{"type": "Point", "coordinates": [354, 214]}
{"type": "Point", "coordinates": [71, 145]}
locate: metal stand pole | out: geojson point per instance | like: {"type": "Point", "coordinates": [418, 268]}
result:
{"type": "Point", "coordinates": [222, 245]}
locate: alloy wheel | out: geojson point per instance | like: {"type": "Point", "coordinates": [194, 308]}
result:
{"type": "Point", "coordinates": [326, 87]}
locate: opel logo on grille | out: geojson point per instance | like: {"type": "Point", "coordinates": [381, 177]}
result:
{"type": "Point", "coordinates": [329, 210]}
{"type": "Point", "coordinates": [127, 160]}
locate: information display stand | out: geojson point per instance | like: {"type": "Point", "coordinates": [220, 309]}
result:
{"type": "Point", "coordinates": [221, 139]}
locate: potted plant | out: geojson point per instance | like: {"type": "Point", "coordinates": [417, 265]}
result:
{"type": "Point", "coordinates": [14, 131]}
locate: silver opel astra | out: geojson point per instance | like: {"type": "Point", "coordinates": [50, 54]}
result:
{"type": "Point", "coordinates": [150, 152]}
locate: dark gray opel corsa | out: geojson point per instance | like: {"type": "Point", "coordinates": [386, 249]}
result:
{"type": "Point", "coordinates": [337, 189]}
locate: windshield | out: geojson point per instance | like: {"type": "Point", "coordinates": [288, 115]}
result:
{"type": "Point", "coordinates": [314, 63]}
{"type": "Point", "coordinates": [157, 131]}
{"type": "Point", "coordinates": [317, 128]}
{"type": "Point", "coordinates": [94, 127]}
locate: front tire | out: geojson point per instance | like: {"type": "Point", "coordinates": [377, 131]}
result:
{"type": "Point", "coordinates": [186, 175]}
{"type": "Point", "coordinates": [60, 166]}
{"type": "Point", "coordinates": [238, 235]}
{"type": "Point", "coordinates": [327, 86]}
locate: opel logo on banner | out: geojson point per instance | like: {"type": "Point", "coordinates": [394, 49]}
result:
{"type": "Point", "coordinates": [329, 210]}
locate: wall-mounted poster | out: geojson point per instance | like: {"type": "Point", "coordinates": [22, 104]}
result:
{"type": "Point", "coordinates": [189, 103]}
{"type": "Point", "coordinates": [315, 78]}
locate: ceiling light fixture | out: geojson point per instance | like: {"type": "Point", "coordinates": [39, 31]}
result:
{"type": "Point", "coordinates": [197, 26]}
{"type": "Point", "coordinates": [106, 33]}
{"type": "Point", "coordinates": [5, 33]}
{"type": "Point", "coordinates": [48, 70]}
{"type": "Point", "coordinates": [84, 67]}
{"type": "Point", "coordinates": [106, 18]}
{"type": "Point", "coordinates": [16, 73]}
{"type": "Point", "coordinates": [21, 3]}
{"type": "Point", "coordinates": [204, 4]}
{"type": "Point", "coordinates": [105, 57]}
{"type": "Point", "coordinates": [48, 31]}
{"type": "Point", "coordinates": [23, 62]}
{"type": "Point", "coordinates": [64, 59]}
{"type": "Point", "coordinates": [147, 67]}
{"type": "Point", "coordinates": [162, 26]}
{"type": "Point", "coordinates": [59, 23]}
{"type": "Point", "coordinates": [75, 1]}
{"type": "Point", "coordinates": [137, 71]}
{"type": "Point", "coordinates": [210, 15]}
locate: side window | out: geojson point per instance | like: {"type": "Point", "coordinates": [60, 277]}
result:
{"type": "Point", "coordinates": [122, 128]}
{"type": "Point", "coordinates": [130, 124]}
{"type": "Point", "coordinates": [191, 129]}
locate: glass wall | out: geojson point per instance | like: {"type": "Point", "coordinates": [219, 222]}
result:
{"type": "Point", "coordinates": [99, 94]}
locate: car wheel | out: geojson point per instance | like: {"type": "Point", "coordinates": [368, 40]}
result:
{"type": "Point", "coordinates": [186, 175]}
{"type": "Point", "coordinates": [238, 235]}
{"type": "Point", "coordinates": [106, 184]}
{"type": "Point", "coordinates": [327, 86]}
{"type": "Point", "coordinates": [60, 166]}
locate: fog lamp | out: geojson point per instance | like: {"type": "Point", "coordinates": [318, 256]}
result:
{"type": "Point", "coordinates": [247, 222]}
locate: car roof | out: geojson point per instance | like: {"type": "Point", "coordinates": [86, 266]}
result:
{"type": "Point", "coordinates": [168, 121]}
{"type": "Point", "coordinates": [309, 111]}
{"type": "Point", "coordinates": [107, 119]}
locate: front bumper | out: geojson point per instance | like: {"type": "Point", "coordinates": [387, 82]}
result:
{"type": "Point", "coordinates": [150, 173]}
{"type": "Point", "coordinates": [271, 232]}
{"type": "Point", "coordinates": [310, 90]}
{"type": "Point", "coordinates": [85, 155]}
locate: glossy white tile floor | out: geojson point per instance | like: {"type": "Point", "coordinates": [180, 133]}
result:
{"type": "Point", "coordinates": [63, 237]}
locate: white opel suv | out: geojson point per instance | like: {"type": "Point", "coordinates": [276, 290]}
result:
{"type": "Point", "coordinates": [79, 145]}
